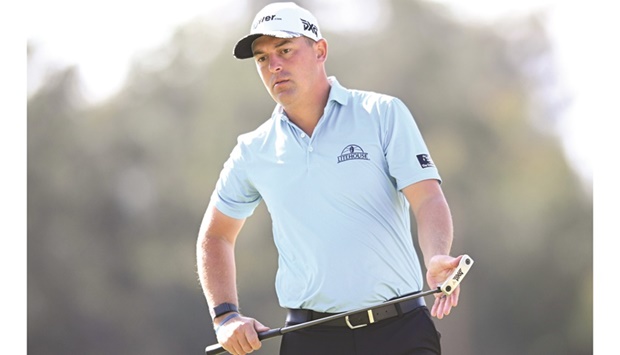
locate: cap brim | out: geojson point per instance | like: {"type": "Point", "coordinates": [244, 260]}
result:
{"type": "Point", "coordinates": [243, 48]}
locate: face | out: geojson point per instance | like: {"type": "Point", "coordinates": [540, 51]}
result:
{"type": "Point", "coordinates": [288, 67]}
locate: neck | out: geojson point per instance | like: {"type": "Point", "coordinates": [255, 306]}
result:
{"type": "Point", "coordinates": [307, 113]}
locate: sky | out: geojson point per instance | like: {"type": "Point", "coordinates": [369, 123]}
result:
{"type": "Point", "coordinates": [102, 37]}
{"type": "Point", "coordinates": [112, 32]}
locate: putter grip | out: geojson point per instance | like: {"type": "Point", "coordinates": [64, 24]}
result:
{"type": "Point", "coordinates": [218, 349]}
{"type": "Point", "coordinates": [271, 333]}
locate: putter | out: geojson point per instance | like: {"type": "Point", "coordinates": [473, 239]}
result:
{"type": "Point", "coordinates": [446, 288]}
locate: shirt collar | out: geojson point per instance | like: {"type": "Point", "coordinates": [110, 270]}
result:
{"type": "Point", "coordinates": [337, 93]}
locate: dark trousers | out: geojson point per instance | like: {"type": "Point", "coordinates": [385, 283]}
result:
{"type": "Point", "coordinates": [412, 333]}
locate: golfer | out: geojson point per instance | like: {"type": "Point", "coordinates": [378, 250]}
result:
{"type": "Point", "coordinates": [339, 171]}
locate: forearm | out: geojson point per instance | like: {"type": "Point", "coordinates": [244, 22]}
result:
{"type": "Point", "coordinates": [216, 269]}
{"type": "Point", "coordinates": [435, 229]}
{"type": "Point", "coordinates": [216, 258]}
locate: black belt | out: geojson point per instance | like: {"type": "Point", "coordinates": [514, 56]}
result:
{"type": "Point", "coordinates": [357, 320]}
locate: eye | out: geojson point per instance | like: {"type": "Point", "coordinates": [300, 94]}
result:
{"type": "Point", "coordinates": [286, 50]}
{"type": "Point", "coordinates": [260, 59]}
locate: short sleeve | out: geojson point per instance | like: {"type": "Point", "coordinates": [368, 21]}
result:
{"type": "Point", "coordinates": [234, 193]}
{"type": "Point", "coordinates": [407, 155]}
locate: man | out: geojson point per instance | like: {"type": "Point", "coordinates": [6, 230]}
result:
{"type": "Point", "coordinates": [339, 171]}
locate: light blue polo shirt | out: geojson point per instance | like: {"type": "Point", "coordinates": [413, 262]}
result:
{"type": "Point", "coordinates": [340, 223]}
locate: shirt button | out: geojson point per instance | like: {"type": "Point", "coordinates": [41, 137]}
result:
{"type": "Point", "coordinates": [310, 149]}
{"type": "Point", "coordinates": [303, 135]}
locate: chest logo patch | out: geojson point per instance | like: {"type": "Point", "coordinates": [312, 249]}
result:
{"type": "Point", "coordinates": [352, 152]}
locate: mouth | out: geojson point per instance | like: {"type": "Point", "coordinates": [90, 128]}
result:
{"type": "Point", "coordinates": [279, 81]}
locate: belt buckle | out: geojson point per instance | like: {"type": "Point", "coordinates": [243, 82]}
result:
{"type": "Point", "coordinates": [371, 319]}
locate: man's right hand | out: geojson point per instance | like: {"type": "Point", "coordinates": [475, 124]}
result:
{"type": "Point", "coordinates": [239, 336]}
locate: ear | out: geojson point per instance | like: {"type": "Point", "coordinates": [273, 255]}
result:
{"type": "Point", "coordinates": [321, 50]}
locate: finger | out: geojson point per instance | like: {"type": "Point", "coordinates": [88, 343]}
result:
{"type": "Point", "coordinates": [235, 349]}
{"type": "Point", "coordinates": [440, 310]}
{"type": "Point", "coordinates": [252, 341]}
{"type": "Point", "coordinates": [455, 296]}
{"type": "Point", "coordinates": [434, 308]}
{"type": "Point", "coordinates": [453, 301]}
{"type": "Point", "coordinates": [260, 328]}
{"type": "Point", "coordinates": [229, 346]}
{"type": "Point", "coordinates": [246, 347]}
{"type": "Point", "coordinates": [242, 344]}
{"type": "Point", "coordinates": [449, 303]}
{"type": "Point", "coordinates": [438, 307]}
{"type": "Point", "coordinates": [234, 345]}
{"type": "Point", "coordinates": [447, 306]}
{"type": "Point", "coordinates": [456, 261]}
{"type": "Point", "coordinates": [239, 348]}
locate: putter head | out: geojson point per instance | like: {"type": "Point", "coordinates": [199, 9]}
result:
{"type": "Point", "coordinates": [457, 276]}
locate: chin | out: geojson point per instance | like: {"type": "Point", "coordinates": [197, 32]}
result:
{"type": "Point", "coordinates": [283, 98]}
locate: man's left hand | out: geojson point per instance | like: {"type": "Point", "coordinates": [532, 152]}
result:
{"type": "Point", "coordinates": [440, 267]}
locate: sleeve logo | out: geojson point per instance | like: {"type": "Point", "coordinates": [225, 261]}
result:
{"type": "Point", "coordinates": [425, 161]}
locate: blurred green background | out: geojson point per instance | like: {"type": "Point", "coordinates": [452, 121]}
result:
{"type": "Point", "coordinates": [117, 188]}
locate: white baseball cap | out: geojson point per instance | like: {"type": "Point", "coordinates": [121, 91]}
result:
{"type": "Point", "coordinates": [282, 20]}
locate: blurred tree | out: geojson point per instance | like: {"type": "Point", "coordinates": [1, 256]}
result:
{"type": "Point", "coordinates": [116, 191]}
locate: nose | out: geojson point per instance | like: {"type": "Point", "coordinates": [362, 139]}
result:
{"type": "Point", "coordinates": [275, 64]}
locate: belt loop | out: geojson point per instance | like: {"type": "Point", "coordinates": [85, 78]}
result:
{"type": "Point", "coordinates": [399, 309]}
